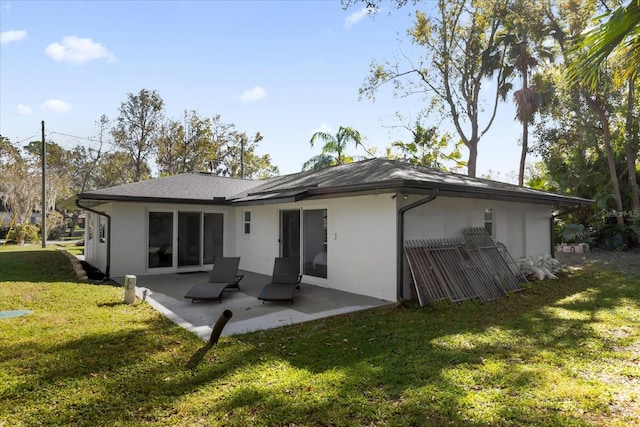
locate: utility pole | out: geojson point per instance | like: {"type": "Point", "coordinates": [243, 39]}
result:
{"type": "Point", "coordinates": [43, 228]}
{"type": "Point", "coordinates": [242, 157]}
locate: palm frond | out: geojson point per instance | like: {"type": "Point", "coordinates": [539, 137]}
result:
{"type": "Point", "coordinates": [620, 32]}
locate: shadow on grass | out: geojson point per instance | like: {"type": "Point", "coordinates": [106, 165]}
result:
{"type": "Point", "coordinates": [393, 366]}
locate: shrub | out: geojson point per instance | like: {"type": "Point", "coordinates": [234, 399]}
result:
{"type": "Point", "coordinates": [56, 233]}
{"type": "Point", "coordinates": [27, 233]}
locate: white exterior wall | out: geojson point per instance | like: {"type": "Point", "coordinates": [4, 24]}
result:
{"type": "Point", "coordinates": [95, 250]}
{"type": "Point", "coordinates": [522, 227]}
{"type": "Point", "coordinates": [129, 239]}
{"type": "Point", "coordinates": [361, 234]}
{"type": "Point", "coordinates": [537, 234]}
{"type": "Point", "coordinates": [129, 243]}
{"type": "Point", "coordinates": [362, 245]}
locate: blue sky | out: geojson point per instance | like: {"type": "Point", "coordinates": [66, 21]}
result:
{"type": "Point", "coordinates": [282, 68]}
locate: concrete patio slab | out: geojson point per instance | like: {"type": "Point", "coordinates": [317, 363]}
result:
{"type": "Point", "coordinates": [165, 293]}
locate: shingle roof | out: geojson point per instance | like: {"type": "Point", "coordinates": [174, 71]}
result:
{"type": "Point", "coordinates": [376, 175]}
{"type": "Point", "coordinates": [364, 177]}
{"type": "Point", "coordinates": [197, 187]}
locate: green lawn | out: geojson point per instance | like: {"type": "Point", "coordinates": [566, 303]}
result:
{"type": "Point", "coordinates": [563, 352]}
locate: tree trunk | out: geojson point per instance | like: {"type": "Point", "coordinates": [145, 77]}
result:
{"type": "Point", "coordinates": [74, 223]}
{"type": "Point", "coordinates": [631, 145]}
{"type": "Point", "coordinates": [523, 154]}
{"type": "Point", "coordinates": [596, 106]}
{"type": "Point", "coordinates": [473, 157]}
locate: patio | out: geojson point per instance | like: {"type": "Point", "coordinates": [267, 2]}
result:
{"type": "Point", "coordinates": [166, 292]}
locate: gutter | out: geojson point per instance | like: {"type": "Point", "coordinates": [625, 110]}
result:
{"type": "Point", "coordinates": [400, 241]}
{"type": "Point", "coordinates": [108, 267]}
{"type": "Point", "coordinates": [551, 227]}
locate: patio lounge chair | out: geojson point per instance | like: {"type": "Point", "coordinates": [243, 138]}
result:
{"type": "Point", "coordinates": [284, 281]}
{"type": "Point", "coordinates": [223, 276]}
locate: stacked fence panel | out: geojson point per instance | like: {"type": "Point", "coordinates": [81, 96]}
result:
{"type": "Point", "coordinates": [459, 269]}
{"type": "Point", "coordinates": [497, 257]}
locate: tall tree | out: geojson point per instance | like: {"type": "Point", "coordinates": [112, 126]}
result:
{"type": "Point", "coordinates": [620, 34]}
{"type": "Point", "coordinates": [333, 151]}
{"type": "Point", "coordinates": [632, 138]}
{"type": "Point", "coordinates": [567, 24]}
{"type": "Point", "coordinates": [427, 148]}
{"type": "Point", "coordinates": [232, 153]}
{"type": "Point", "coordinates": [614, 45]}
{"type": "Point", "coordinates": [525, 34]}
{"type": "Point", "coordinates": [20, 186]}
{"type": "Point", "coordinates": [461, 55]}
{"type": "Point", "coordinates": [241, 159]}
{"type": "Point", "coordinates": [114, 168]}
{"type": "Point", "coordinates": [137, 127]}
{"type": "Point", "coordinates": [183, 146]}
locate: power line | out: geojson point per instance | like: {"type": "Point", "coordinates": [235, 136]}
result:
{"type": "Point", "coordinates": [74, 136]}
{"type": "Point", "coordinates": [32, 136]}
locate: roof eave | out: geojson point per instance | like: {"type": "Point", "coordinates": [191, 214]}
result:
{"type": "Point", "coordinates": [450, 190]}
{"type": "Point", "coordinates": [105, 198]}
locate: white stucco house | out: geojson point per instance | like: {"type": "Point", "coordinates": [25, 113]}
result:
{"type": "Point", "coordinates": [346, 224]}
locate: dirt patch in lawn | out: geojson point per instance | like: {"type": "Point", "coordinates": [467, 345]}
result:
{"type": "Point", "coordinates": [626, 262]}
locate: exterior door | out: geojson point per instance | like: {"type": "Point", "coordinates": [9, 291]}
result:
{"type": "Point", "coordinates": [189, 239]}
{"type": "Point", "coordinates": [290, 234]}
{"type": "Point", "coordinates": [160, 251]}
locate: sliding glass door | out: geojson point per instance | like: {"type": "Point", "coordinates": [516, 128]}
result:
{"type": "Point", "coordinates": [290, 234]}
{"type": "Point", "coordinates": [315, 242]}
{"type": "Point", "coordinates": [189, 238]}
{"type": "Point", "coordinates": [195, 237]}
{"type": "Point", "coordinates": [306, 239]}
{"type": "Point", "coordinates": [160, 239]}
{"type": "Point", "coordinates": [213, 231]}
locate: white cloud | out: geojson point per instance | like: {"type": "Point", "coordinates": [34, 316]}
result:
{"type": "Point", "coordinates": [323, 128]}
{"type": "Point", "coordinates": [23, 110]}
{"type": "Point", "coordinates": [12, 36]}
{"type": "Point", "coordinates": [254, 94]}
{"type": "Point", "coordinates": [77, 51]}
{"type": "Point", "coordinates": [55, 106]}
{"type": "Point", "coordinates": [358, 16]}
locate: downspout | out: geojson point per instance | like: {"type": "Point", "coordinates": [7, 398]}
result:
{"type": "Point", "coordinates": [108, 267]}
{"type": "Point", "coordinates": [400, 241]}
{"type": "Point", "coordinates": [552, 228]}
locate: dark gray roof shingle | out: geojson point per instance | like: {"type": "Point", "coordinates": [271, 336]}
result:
{"type": "Point", "coordinates": [367, 176]}
{"type": "Point", "coordinates": [196, 187]}
{"type": "Point", "coordinates": [375, 175]}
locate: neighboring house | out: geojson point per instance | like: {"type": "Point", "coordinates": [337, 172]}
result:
{"type": "Point", "coordinates": [347, 223]}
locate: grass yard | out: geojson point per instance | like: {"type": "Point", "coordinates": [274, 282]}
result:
{"type": "Point", "coordinates": [563, 352]}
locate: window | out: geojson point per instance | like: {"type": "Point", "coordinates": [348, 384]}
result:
{"type": "Point", "coordinates": [102, 229]}
{"type": "Point", "coordinates": [90, 226]}
{"type": "Point", "coordinates": [488, 221]}
{"type": "Point", "coordinates": [246, 227]}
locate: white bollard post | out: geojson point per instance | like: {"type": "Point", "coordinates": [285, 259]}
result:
{"type": "Point", "coordinates": [129, 289]}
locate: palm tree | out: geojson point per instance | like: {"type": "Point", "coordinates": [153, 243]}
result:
{"type": "Point", "coordinates": [333, 150]}
{"type": "Point", "coordinates": [524, 38]}
{"type": "Point", "coordinates": [619, 34]}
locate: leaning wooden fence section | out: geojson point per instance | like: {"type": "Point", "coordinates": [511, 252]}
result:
{"type": "Point", "coordinates": [473, 266]}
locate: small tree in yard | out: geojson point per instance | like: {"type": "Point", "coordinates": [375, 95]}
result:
{"type": "Point", "coordinates": [19, 186]}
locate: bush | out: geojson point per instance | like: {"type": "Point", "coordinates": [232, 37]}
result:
{"type": "Point", "coordinates": [21, 234]}
{"type": "Point", "coordinates": [574, 233]}
{"type": "Point", "coordinates": [56, 233]}
{"type": "Point", "coordinates": [613, 237]}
